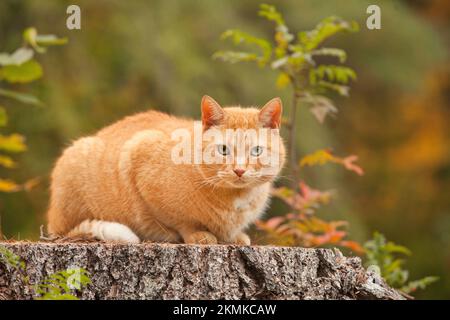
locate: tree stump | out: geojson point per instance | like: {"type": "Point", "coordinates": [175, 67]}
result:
{"type": "Point", "coordinates": [175, 271]}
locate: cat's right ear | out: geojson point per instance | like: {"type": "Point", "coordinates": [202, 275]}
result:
{"type": "Point", "coordinates": [212, 113]}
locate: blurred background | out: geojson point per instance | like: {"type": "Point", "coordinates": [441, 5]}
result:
{"type": "Point", "coordinates": [132, 56]}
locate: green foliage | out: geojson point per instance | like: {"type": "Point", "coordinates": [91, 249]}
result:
{"type": "Point", "coordinates": [8, 257]}
{"type": "Point", "coordinates": [20, 67]}
{"type": "Point", "coordinates": [295, 58]}
{"type": "Point", "coordinates": [239, 37]}
{"type": "Point", "coordinates": [298, 63]}
{"type": "Point", "coordinates": [40, 42]}
{"type": "Point", "coordinates": [23, 73]}
{"type": "Point", "coordinates": [385, 254]}
{"type": "Point", "coordinates": [21, 97]}
{"type": "Point", "coordinates": [60, 285]}
{"type": "Point", "coordinates": [325, 29]}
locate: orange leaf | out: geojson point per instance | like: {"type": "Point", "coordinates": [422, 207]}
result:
{"type": "Point", "coordinates": [352, 245]}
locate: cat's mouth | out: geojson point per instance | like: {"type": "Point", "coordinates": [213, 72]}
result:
{"type": "Point", "coordinates": [239, 182]}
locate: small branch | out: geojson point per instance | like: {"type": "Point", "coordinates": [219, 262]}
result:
{"type": "Point", "coordinates": [292, 148]}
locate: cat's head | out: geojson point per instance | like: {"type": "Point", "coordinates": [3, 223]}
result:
{"type": "Point", "coordinates": [242, 146]}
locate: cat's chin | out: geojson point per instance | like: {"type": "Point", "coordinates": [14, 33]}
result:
{"type": "Point", "coordinates": [240, 184]}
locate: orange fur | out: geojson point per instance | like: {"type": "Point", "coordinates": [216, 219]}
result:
{"type": "Point", "coordinates": [124, 174]}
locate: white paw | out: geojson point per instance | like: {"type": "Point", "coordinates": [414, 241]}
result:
{"type": "Point", "coordinates": [113, 231]}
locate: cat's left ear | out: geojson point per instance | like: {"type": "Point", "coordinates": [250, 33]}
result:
{"type": "Point", "coordinates": [212, 112]}
{"type": "Point", "coordinates": [270, 114]}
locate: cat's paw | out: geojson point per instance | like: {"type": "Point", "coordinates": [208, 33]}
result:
{"type": "Point", "coordinates": [113, 231]}
{"type": "Point", "coordinates": [242, 239]}
{"type": "Point", "coordinates": [201, 237]}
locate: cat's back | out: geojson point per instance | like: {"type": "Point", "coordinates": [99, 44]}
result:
{"type": "Point", "coordinates": [94, 157]}
{"type": "Point", "coordinates": [127, 127]}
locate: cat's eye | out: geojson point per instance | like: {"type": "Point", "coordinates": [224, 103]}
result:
{"type": "Point", "coordinates": [256, 151]}
{"type": "Point", "coordinates": [223, 149]}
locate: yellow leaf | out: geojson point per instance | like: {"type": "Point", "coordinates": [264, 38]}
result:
{"type": "Point", "coordinates": [283, 80]}
{"type": "Point", "coordinates": [7, 162]}
{"type": "Point", "coordinates": [8, 186]}
{"type": "Point", "coordinates": [12, 143]}
{"type": "Point", "coordinates": [319, 157]}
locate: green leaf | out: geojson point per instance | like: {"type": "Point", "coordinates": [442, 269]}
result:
{"type": "Point", "coordinates": [340, 89]}
{"type": "Point", "coordinates": [395, 248]}
{"type": "Point", "coordinates": [26, 72]}
{"type": "Point", "coordinates": [332, 73]}
{"type": "Point", "coordinates": [324, 30]}
{"type": "Point", "coordinates": [10, 258]}
{"type": "Point", "coordinates": [339, 53]}
{"type": "Point", "coordinates": [270, 13]}
{"type": "Point", "coordinates": [239, 37]}
{"type": "Point", "coordinates": [282, 36]}
{"type": "Point", "coordinates": [59, 286]}
{"type": "Point", "coordinates": [3, 117]}
{"type": "Point", "coordinates": [19, 57]}
{"type": "Point", "coordinates": [50, 40]}
{"type": "Point", "coordinates": [419, 284]}
{"type": "Point", "coordinates": [39, 42]}
{"type": "Point", "coordinates": [12, 143]}
{"type": "Point", "coordinates": [235, 56]}
{"type": "Point", "coordinates": [21, 97]}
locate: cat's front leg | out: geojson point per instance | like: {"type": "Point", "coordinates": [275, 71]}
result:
{"type": "Point", "coordinates": [242, 239]}
{"type": "Point", "coordinates": [199, 237]}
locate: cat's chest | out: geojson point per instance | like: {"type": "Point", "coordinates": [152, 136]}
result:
{"type": "Point", "coordinates": [247, 207]}
{"type": "Point", "coordinates": [253, 200]}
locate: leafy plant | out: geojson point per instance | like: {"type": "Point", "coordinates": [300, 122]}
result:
{"type": "Point", "coordinates": [385, 255]}
{"type": "Point", "coordinates": [58, 286]}
{"type": "Point", "coordinates": [296, 59]}
{"type": "Point", "coordinates": [301, 226]}
{"type": "Point", "coordinates": [10, 258]}
{"type": "Point", "coordinates": [20, 67]}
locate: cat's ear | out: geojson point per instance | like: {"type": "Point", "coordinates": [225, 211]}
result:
{"type": "Point", "coordinates": [212, 112]}
{"type": "Point", "coordinates": [270, 114]}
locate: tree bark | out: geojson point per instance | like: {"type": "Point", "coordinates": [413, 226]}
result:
{"type": "Point", "coordinates": [169, 271]}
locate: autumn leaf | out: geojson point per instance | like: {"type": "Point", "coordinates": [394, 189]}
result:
{"type": "Point", "coordinates": [8, 186]}
{"type": "Point", "coordinates": [7, 162]}
{"type": "Point", "coordinates": [321, 157]}
{"type": "Point", "coordinates": [352, 245]}
{"type": "Point", "coordinates": [349, 164]}
{"type": "Point", "coordinates": [31, 184]}
{"type": "Point", "coordinates": [12, 143]}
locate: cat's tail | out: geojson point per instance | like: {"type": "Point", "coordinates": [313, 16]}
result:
{"type": "Point", "coordinates": [104, 230]}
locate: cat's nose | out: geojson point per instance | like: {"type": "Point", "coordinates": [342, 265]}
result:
{"type": "Point", "coordinates": [239, 172]}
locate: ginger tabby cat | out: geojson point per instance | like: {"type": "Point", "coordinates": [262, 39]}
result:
{"type": "Point", "coordinates": [123, 185]}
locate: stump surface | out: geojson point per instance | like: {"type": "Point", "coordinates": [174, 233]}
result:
{"type": "Point", "coordinates": [169, 271]}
